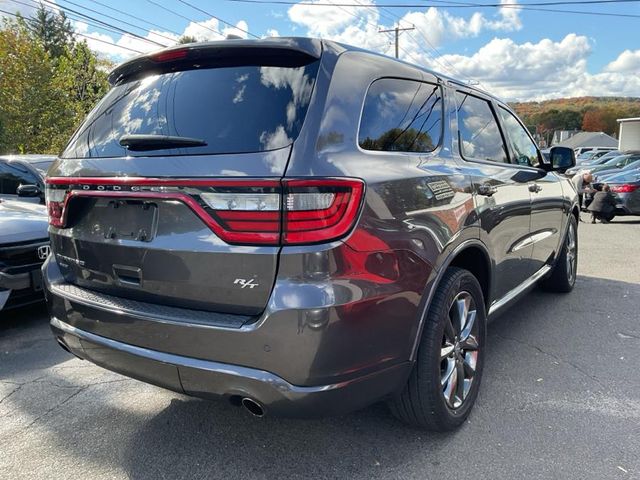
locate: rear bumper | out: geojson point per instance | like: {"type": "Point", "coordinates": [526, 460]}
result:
{"type": "Point", "coordinates": [203, 378]}
{"type": "Point", "coordinates": [322, 346]}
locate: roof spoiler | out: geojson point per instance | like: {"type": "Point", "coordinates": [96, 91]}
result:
{"type": "Point", "coordinates": [277, 52]}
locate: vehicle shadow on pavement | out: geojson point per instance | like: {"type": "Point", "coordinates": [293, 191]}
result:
{"type": "Point", "coordinates": [124, 427]}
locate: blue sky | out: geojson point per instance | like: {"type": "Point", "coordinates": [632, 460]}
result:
{"type": "Point", "coordinates": [518, 54]}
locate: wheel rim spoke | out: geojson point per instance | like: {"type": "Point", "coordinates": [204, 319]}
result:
{"type": "Point", "coordinates": [462, 304]}
{"type": "Point", "coordinates": [469, 343]}
{"type": "Point", "coordinates": [451, 386]}
{"type": "Point", "coordinates": [459, 385]}
{"type": "Point", "coordinates": [449, 371]}
{"type": "Point", "coordinates": [470, 322]}
{"type": "Point", "coordinates": [446, 350]}
{"type": "Point", "coordinates": [470, 362]}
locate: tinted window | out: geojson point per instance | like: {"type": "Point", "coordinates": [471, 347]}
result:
{"type": "Point", "coordinates": [478, 131]}
{"type": "Point", "coordinates": [233, 109]}
{"type": "Point", "coordinates": [12, 176]}
{"type": "Point", "coordinates": [523, 150]}
{"type": "Point", "coordinates": [401, 116]}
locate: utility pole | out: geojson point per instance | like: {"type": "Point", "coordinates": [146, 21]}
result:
{"type": "Point", "coordinates": [397, 31]}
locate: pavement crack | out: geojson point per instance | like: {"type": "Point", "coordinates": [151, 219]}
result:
{"type": "Point", "coordinates": [55, 407]}
{"type": "Point", "coordinates": [10, 393]}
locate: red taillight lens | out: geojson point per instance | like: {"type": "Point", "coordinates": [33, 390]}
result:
{"type": "Point", "coordinates": [243, 212]}
{"type": "Point", "coordinates": [170, 55]}
{"type": "Point", "coordinates": [245, 215]}
{"type": "Point", "coordinates": [318, 211]}
{"type": "Point", "coordinates": [626, 188]}
{"type": "Point", "coordinates": [55, 199]}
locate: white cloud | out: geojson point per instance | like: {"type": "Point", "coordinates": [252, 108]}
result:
{"type": "Point", "coordinates": [205, 30]}
{"type": "Point", "coordinates": [360, 25]}
{"type": "Point", "coordinates": [546, 69]}
{"type": "Point", "coordinates": [202, 31]}
{"type": "Point", "coordinates": [510, 70]}
{"type": "Point", "coordinates": [627, 62]}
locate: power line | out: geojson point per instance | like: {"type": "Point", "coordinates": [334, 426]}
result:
{"type": "Point", "coordinates": [419, 5]}
{"type": "Point", "coordinates": [449, 5]}
{"type": "Point", "coordinates": [117, 19]}
{"type": "Point", "coordinates": [136, 18]}
{"type": "Point", "coordinates": [67, 9]}
{"type": "Point", "coordinates": [397, 31]}
{"type": "Point", "coordinates": [217, 18]}
{"type": "Point", "coordinates": [71, 16]}
{"type": "Point", "coordinates": [182, 16]}
{"type": "Point", "coordinates": [440, 60]}
{"type": "Point", "coordinates": [524, 6]}
{"type": "Point", "coordinates": [75, 33]}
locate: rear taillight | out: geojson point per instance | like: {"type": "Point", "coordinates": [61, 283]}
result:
{"type": "Point", "coordinates": [244, 212]}
{"type": "Point", "coordinates": [319, 210]}
{"type": "Point", "coordinates": [55, 198]}
{"type": "Point", "coordinates": [245, 216]}
{"type": "Point", "coordinates": [626, 188]}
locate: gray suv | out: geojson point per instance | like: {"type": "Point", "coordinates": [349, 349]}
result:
{"type": "Point", "coordinates": [300, 227]}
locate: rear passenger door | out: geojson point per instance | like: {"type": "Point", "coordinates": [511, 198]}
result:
{"type": "Point", "coordinates": [546, 192]}
{"type": "Point", "coordinates": [502, 197]}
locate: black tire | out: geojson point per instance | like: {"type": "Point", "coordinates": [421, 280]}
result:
{"type": "Point", "coordinates": [423, 400]}
{"type": "Point", "coordinates": [562, 277]}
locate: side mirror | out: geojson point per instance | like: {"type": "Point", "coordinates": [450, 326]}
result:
{"type": "Point", "coordinates": [560, 159]}
{"type": "Point", "coordinates": [28, 191]}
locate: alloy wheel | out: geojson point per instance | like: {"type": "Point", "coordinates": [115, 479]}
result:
{"type": "Point", "coordinates": [572, 250]}
{"type": "Point", "coordinates": [459, 351]}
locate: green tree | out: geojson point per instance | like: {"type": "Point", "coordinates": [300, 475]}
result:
{"type": "Point", "coordinates": [397, 139]}
{"type": "Point", "coordinates": [28, 101]}
{"type": "Point", "coordinates": [53, 30]}
{"type": "Point", "coordinates": [44, 99]}
{"type": "Point", "coordinates": [187, 39]}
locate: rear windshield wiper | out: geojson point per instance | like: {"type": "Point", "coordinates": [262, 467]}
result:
{"type": "Point", "coordinates": [143, 143]}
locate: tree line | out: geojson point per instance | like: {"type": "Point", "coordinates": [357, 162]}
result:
{"type": "Point", "coordinates": [590, 114]}
{"type": "Point", "coordinates": [49, 81]}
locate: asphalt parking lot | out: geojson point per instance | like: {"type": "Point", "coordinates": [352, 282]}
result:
{"type": "Point", "coordinates": [560, 399]}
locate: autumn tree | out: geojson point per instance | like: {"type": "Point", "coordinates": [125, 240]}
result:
{"type": "Point", "coordinates": [600, 120]}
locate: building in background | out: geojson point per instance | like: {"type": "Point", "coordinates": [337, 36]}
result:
{"type": "Point", "coordinates": [587, 140]}
{"type": "Point", "coordinates": [629, 134]}
{"type": "Point", "coordinates": [562, 135]}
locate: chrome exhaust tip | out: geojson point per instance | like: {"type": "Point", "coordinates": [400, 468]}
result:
{"type": "Point", "coordinates": [253, 407]}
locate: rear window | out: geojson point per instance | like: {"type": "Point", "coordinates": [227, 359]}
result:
{"type": "Point", "coordinates": [401, 116]}
{"type": "Point", "coordinates": [233, 109]}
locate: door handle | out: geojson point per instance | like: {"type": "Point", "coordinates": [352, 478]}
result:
{"type": "Point", "coordinates": [486, 189]}
{"type": "Point", "coordinates": [535, 188]}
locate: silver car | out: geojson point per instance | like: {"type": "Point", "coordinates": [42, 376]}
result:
{"type": "Point", "coordinates": [24, 246]}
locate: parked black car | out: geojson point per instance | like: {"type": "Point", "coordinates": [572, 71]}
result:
{"type": "Point", "coordinates": [626, 187]}
{"type": "Point", "coordinates": [24, 245]}
{"type": "Point", "coordinates": [22, 177]}
{"type": "Point", "coordinates": [301, 227]}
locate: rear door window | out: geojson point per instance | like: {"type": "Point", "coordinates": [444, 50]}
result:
{"type": "Point", "coordinates": [523, 149]}
{"type": "Point", "coordinates": [478, 132]}
{"type": "Point", "coordinates": [236, 109]}
{"type": "Point", "coordinates": [401, 116]}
